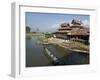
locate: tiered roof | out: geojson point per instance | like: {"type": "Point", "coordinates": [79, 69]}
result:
{"type": "Point", "coordinates": [75, 29]}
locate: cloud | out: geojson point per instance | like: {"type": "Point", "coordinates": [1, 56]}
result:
{"type": "Point", "coordinates": [86, 23]}
{"type": "Point", "coordinates": [57, 25]}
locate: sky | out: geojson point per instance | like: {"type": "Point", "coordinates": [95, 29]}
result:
{"type": "Point", "coordinates": [49, 22]}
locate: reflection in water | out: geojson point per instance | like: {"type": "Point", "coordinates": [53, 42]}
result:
{"type": "Point", "coordinates": [73, 59]}
{"type": "Point", "coordinates": [35, 54]}
{"type": "Point", "coordinates": [28, 37]}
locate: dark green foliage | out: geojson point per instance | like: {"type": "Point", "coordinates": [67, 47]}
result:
{"type": "Point", "coordinates": [28, 29]}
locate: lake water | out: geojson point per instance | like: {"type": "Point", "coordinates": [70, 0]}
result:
{"type": "Point", "coordinates": [35, 54]}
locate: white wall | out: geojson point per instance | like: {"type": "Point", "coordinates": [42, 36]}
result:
{"type": "Point", "coordinates": [5, 39]}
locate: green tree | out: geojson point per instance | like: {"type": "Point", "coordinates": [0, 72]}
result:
{"type": "Point", "coordinates": [28, 29]}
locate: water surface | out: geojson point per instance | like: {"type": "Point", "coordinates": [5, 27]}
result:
{"type": "Point", "coordinates": [35, 54]}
